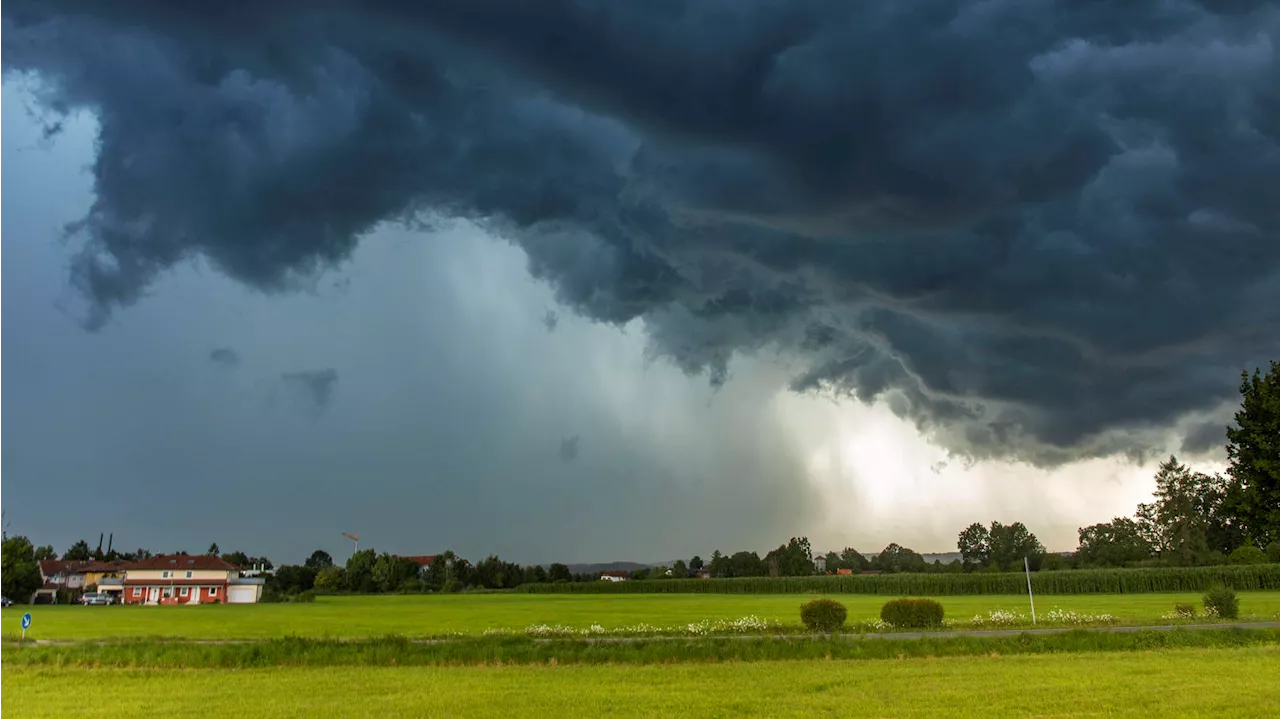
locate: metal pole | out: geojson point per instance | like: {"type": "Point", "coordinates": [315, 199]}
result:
{"type": "Point", "coordinates": [1027, 566]}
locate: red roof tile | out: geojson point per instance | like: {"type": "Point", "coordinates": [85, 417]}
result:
{"type": "Point", "coordinates": [182, 562]}
{"type": "Point", "coordinates": [422, 560]}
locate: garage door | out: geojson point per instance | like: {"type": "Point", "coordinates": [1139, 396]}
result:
{"type": "Point", "coordinates": [242, 595]}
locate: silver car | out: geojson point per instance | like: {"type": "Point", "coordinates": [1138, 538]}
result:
{"type": "Point", "coordinates": [97, 598]}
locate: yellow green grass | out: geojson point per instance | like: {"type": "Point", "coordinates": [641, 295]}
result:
{"type": "Point", "coordinates": [419, 615]}
{"type": "Point", "coordinates": [1185, 683]}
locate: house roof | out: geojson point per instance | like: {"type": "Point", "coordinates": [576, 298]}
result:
{"type": "Point", "coordinates": [422, 560]}
{"type": "Point", "coordinates": [50, 567]}
{"type": "Point", "coordinates": [625, 575]}
{"type": "Point", "coordinates": [101, 567]}
{"type": "Point", "coordinates": [181, 562]}
{"type": "Point", "coordinates": [174, 582]}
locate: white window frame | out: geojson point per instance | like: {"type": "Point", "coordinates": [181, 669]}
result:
{"type": "Point", "coordinates": [164, 574]}
{"type": "Point", "coordinates": [184, 592]}
{"type": "Point", "coordinates": [188, 574]}
{"type": "Point", "coordinates": [137, 592]}
{"type": "Point", "coordinates": [213, 591]}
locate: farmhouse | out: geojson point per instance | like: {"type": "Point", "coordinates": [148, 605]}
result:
{"type": "Point", "coordinates": [614, 576]}
{"type": "Point", "coordinates": [182, 579]}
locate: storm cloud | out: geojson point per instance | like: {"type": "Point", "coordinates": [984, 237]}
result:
{"type": "Point", "coordinates": [1040, 229]}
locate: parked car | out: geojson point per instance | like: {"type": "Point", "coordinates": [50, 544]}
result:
{"type": "Point", "coordinates": [97, 598]}
{"type": "Point", "coordinates": [6, 602]}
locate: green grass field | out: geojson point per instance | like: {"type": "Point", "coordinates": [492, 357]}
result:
{"type": "Point", "coordinates": [418, 615]}
{"type": "Point", "coordinates": [1185, 683]}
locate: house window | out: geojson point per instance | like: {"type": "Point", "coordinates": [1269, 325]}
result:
{"type": "Point", "coordinates": [164, 574]}
{"type": "Point", "coordinates": [188, 574]}
{"type": "Point", "coordinates": [213, 591]}
{"type": "Point", "coordinates": [137, 591]}
{"type": "Point", "coordinates": [185, 591]}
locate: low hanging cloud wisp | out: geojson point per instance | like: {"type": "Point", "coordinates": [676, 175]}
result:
{"type": "Point", "coordinates": [1041, 230]}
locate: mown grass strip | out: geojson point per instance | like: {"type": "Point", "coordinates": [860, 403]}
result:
{"type": "Point", "coordinates": [401, 651]}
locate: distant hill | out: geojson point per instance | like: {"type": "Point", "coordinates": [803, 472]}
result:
{"type": "Point", "coordinates": [607, 567]}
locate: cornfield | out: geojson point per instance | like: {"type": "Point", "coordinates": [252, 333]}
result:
{"type": "Point", "coordinates": [1079, 581]}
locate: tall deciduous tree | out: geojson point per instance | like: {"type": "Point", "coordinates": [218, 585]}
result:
{"type": "Point", "coordinates": [318, 560]}
{"type": "Point", "coordinates": [45, 552]}
{"type": "Point", "coordinates": [974, 545]}
{"type": "Point", "coordinates": [1113, 544]}
{"type": "Point", "coordinates": [78, 552]}
{"type": "Point", "coordinates": [1253, 451]}
{"type": "Point", "coordinates": [19, 573]}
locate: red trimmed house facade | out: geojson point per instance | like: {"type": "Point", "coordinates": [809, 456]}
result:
{"type": "Point", "coordinates": [182, 579]}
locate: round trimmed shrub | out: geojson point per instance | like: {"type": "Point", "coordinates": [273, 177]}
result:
{"type": "Point", "coordinates": [1221, 602]}
{"type": "Point", "coordinates": [1247, 554]}
{"type": "Point", "coordinates": [912, 613]}
{"type": "Point", "coordinates": [823, 615]}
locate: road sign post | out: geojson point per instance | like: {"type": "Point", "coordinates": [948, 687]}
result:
{"type": "Point", "coordinates": [26, 624]}
{"type": "Point", "coordinates": [1027, 565]}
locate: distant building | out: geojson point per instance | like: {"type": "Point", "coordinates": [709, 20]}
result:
{"type": "Point", "coordinates": [183, 579]}
{"type": "Point", "coordinates": [820, 564]}
{"type": "Point", "coordinates": [614, 576]}
{"type": "Point", "coordinates": [844, 571]}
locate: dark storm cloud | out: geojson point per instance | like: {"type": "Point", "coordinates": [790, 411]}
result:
{"type": "Point", "coordinates": [550, 320]}
{"type": "Point", "coordinates": [1038, 228]}
{"type": "Point", "coordinates": [1205, 437]}
{"type": "Point", "coordinates": [225, 356]}
{"type": "Point", "coordinates": [316, 386]}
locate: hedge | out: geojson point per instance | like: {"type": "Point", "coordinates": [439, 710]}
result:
{"type": "Point", "coordinates": [1074, 581]}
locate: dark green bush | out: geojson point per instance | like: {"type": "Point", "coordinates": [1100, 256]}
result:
{"type": "Point", "coordinates": [823, 615]}
{"type": "Point", "coordinates": [912, 613]}
{"type": "Point", "coordinates": [1273, 552]}
{"type": "Point", "coordinates": [1221, 602]}
{"type": "Point", "coordinates": [1187, 611]}
{"type": "Point", "coordinates": [1248, 554]}
{"type": "Point", "coordinates": [306, 597]}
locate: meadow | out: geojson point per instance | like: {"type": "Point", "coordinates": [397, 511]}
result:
{"type": "Point", "coordinates": [1233, 682]}
{"type": "Point", "coordinates": [435, 615]}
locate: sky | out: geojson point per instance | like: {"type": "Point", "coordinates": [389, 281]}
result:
{"type": "Point", "coordinates": [624, 282]}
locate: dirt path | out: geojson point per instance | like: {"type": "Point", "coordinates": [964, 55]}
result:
{"type": "Point", "coordinates": [789, 637]}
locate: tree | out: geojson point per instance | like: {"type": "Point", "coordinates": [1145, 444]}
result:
{"type": "Point", "coordinates": [851, 558]}
{"type": "Point", "coordinates": [680, 570]}
{"type": "Point", "coordinates": [213, 550]}
{"type": "Point", "coordinates": [1002, 547]}
{"type": "Point", "coordinates": [330, 579]}
{"type": "Point", "coordinates": [1113, 544]}
{"type": "Point", "coordinates": [389, 572]}
{"type": "Point", "coordinates": [695, 564]}
{"type": "Point", "coordinates": [833, 562]}
{"type": "Point", "coordinates": [719, 566]}
{"type": "Point", "coordinates": [896, 558]}
{"type": "Point", "coordinates": [745, 564]}
{"type": "Point", "coordinates": [1253, 455]}
{"type": "Point", "coordinates": [318, 560]}
{"type": "Point", "coordinates": [78, 552]}
{"type": "Point", "coordinates": [793, 559]}
{"type": "Point", "coordinates": [559, 573]}
{"type": "Point", "coordinates": [1178, 522]}
{"type": "Point", "coordinates": [238, 558]}
{"type": "Point", "coordinates": [19, 573]}
{"type": "Point", "coordinates": [358, 576]}
{"type": "Point", "coordinates": [45, 552]}
{"type": "Point", "coordinates": [1010, 544]}
{"type": "Point", "coordinates": [975, 545]}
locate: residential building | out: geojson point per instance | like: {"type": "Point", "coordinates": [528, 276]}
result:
{"type": "Point", "coordinates": [614, 576]}
{"type": "Point", "coordinates": [183, 579]}
{"type": "Point", "coordinates": [820, 564]}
